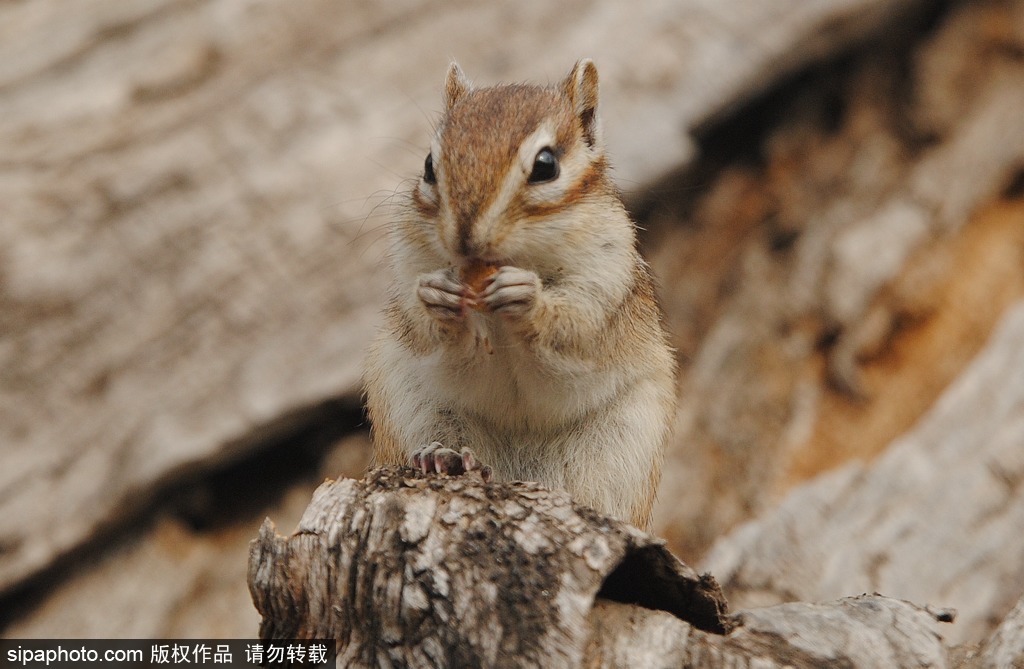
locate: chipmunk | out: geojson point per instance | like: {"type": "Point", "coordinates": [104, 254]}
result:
{"type": "Point", "coordinates": [522, 336]}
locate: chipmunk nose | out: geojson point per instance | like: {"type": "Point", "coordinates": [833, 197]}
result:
{"type": "Point", "coordinates": [470, 246]}
{"type": "Point", "coordinates": [479, 252]}
{"type": "Point", "coordinates": [466, 247]}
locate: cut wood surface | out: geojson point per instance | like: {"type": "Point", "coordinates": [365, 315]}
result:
{"type": "Point", "coordinates": [409, 570]}
{"type": "Point", "coordinates": [189, 247]}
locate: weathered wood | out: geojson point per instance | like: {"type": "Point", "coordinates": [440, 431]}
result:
{"type": "Point", "coordinates": [826, 295]}
{"type": "Point", "coordinates": [168, 579]}
{"type": "Point", "coordinates": [189, 237]}
{"type": "Point", "coordinates": [866, 631]}
{"type": "Point", "coordinates": [407, 570]}
{"type": "Point", "coordinates": [935, 519]}
{"type": "Point", "coordinates": [1005, 648]}
{"type": "Point", "coordinates": [456, 572]}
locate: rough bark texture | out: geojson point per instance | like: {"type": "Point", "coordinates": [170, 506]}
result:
{"type": "Point", "coordinates": [405, 570]}
{"type": "Point", "coordinates": [429, 571]}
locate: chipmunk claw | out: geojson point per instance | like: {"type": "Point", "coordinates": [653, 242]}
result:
{"type": "Point", "coordinates": [436, 458]}
{"type": "Point", "coordinates": [442, 294]}
{"type": "Point", "coordinates": [511, 290]}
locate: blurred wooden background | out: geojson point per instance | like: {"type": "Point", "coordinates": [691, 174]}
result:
{"type": "Point", "coordinates": [193, 200]}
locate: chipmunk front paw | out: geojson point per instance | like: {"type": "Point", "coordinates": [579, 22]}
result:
{"type": "Point", "coordinates": [436, 458]}
{"type": "Point", "coordinates": [442, 294]}
{"type": "Point", "coordinates": [511, 291]}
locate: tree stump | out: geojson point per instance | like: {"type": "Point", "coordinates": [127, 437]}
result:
{"type": "Point", "coordinates": [406, 569]}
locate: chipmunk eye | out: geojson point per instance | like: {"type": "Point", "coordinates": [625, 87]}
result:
{"type": "Point", "coordinates": [545, 166]}
{"type": "Point", "coordinates": [428, 170]}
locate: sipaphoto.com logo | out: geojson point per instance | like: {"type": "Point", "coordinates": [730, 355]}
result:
{"type": "Point", "coordinates": [35, 656]}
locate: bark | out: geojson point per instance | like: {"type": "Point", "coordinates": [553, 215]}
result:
{"type": "Point", "coordinates": [403, 569]}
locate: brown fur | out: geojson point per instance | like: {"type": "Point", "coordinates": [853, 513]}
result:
{"type": "Point", "coordinates": [575, 387]}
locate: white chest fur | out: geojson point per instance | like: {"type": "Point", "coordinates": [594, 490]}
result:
{"type": "Point", "coordinates": [494, 377]}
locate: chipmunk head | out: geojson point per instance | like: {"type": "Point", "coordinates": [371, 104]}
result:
{"type": "Point", "coordinates": [510, 158]}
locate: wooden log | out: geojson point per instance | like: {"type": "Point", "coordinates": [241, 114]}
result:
{"type": "Point", "coordinates": [404, 569]}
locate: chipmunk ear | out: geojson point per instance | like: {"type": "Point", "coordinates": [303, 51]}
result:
{"type": "Point", "coordinates": [455, 85]}
{"type": "Point", "coordinates": [581, 89]}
